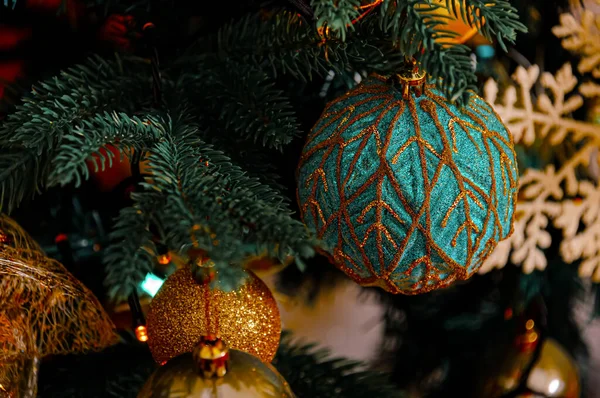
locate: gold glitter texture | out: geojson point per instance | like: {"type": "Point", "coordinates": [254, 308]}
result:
{"type": "Point", "coordinates": [247, 377]}
{"type": "Point", "coordinates": [183, 310]}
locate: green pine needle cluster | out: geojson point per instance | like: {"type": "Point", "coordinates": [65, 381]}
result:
{"type": "Point", "coordinates": [287, 44]}
{"type": "Point", "coordinates": [245, 101]}
{"type": "Point", "coordinates": [57, 108]}
{"type": "Point", "coordinates": [86, 140]}
{"type": "Point", "coordinates": [195, 195]}
{"type": "Point", "coordinates": [408, 23]}
{"type": "Point", "coordinates": [336, 15]}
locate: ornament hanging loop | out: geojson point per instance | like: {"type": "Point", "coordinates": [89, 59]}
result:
{"type": "Point", "coordinates": [410, 77]}
{"type": "Point", "coordinates": [202, 267]}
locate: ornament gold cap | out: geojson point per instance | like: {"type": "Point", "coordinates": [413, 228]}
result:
{"type": "Point", "coordinates": [211, 356]}
{"type": "Point", "coordinates": [202, 266]}
{"type": "Point", "coordinates": [411, 77]}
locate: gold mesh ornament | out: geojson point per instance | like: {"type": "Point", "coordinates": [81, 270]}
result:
{"type": "Point", "coordinates": [12, 235]}
{"type": "Point", "coordinates": [12, 362]}
{"type": "Point", "coordinates": [184, 310]}
{"type": "Point", "coordinates": [43, 310]}
{"type": "Point", "coordinates": [62, 315]}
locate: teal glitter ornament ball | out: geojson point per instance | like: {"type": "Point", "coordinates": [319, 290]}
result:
{"type": "Point", "coordinates": [408, 194]}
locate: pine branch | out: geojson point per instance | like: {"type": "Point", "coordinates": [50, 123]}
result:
{"type": "Point", "coordinates": [252, 158]}
{"type": "Point", "coordinates": [500, 19]}
{"type": "Point", "coordinates": [189, 192]}
{"type": "Point", "coordinates": [197, 198]}
{"type": "Point", "coordinates": [284, 42]}
{"type": "Point", "coordinates": [288, 45]}
{"type": "Point", "coordinates": [22, 172]}
{"type": "Point", "coordinates": [131, 254]}
{"type": "Point", "coordinates": [246, 102]}
{"type": "Point", "coordinates": [336, 14]}
{"type": "Point", "coordinates": [86, 140]}
{"type": "Point", "coordinates": [312, 373]}
{"type": "Point", "coordinates": [412, 27]}
{"type": "Point", "coordinates": [212, 205]}
{"type": "Point", "coordinates": [57, 105]}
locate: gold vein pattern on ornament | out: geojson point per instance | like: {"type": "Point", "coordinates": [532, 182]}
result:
{"type": "Point", "coordinates": [385, 101]}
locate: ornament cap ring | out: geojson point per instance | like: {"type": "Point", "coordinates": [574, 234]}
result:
{"type": "Point", "coordinates": [411, 77]}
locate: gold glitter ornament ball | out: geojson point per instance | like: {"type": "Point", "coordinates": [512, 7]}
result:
{"type": "Point", "coordinates": [246, 377]}
{"type": "Point", "coordinates": [184, 310]}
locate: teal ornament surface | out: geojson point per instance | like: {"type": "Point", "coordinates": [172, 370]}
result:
{"type": "Point", "coordinates": [409, 195]}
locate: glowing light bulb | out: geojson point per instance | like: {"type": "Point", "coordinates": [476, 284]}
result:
{"type": "Point", "coordinates": [164, 259]}
{"type": "Point", "coordinates": [141, 333]}
{"type": "Point", "coordinates": [152, 284]}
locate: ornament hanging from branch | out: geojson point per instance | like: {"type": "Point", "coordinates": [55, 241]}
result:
{"type": "Point", "coordinates": [185, 309]}
{"type": "Point", "coordinates": [409, 192]}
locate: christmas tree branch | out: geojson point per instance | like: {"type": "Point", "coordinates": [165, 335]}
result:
{"type": "Point", "coordinates": [22, 173]}
{"type": "Point", "coordinates": [61, 102]}
{"type": "Point", "coordinates": [125, 133]}
{"type": "Point", "coordinates": [411, 26]}
{"type": "Point", "coordinates": [212, 205]}
{"type": "Point", "coordinates": [414, 31]}
{"type": "Point", "coordinates": [245, 102]}
{"type": "Point", "coordinates": [497, 20]}
{"type": "Point", "coordinates": [55, 110]}
{"type": "Point", "coordinates": [336, 15]}
{"type": "Point", "coordinates": [286, 44]}
{"type": "Point", "coordinates": [131, 254]}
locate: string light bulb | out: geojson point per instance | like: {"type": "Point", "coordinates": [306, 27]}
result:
{"type": "Point", "coordinates": [141, 333]}
{"type": "Point", "coordinates": [164, 259]}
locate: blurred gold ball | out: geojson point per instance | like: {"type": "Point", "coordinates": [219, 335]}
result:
{"type": "Point", "coordinates": [246, 377]}
{"type": "Point", "coordinates": [449, 21]}
{"type": "Point", "coordinates": [183, 310]}
{"type": "Point", "coordinates": [555, 373]}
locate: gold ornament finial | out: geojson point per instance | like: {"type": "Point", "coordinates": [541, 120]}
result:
{"type": "Point", "coordinates": [410, 76]}
{"type": "Point", "coordinates": [202, 266]}
{"type": "Point", "coordinates": [211, 356]}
